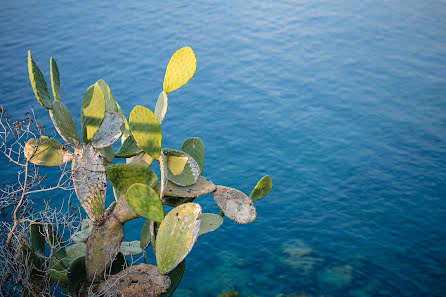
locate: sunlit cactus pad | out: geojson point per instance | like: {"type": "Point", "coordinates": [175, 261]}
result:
{"type": "Point", "coordinates": [180, 70]}
{"type": "Point", "coordinates": [46, 151]}
{"type": "Point", "coordinates": [177, 235]}
{"type": "Point", "coordinates": [146, 130]}
{"type": "Point", "coordinates": [38, 83]}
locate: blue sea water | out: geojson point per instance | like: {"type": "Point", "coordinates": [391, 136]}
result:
{"type": "Point", "coordinates": [342, 103]}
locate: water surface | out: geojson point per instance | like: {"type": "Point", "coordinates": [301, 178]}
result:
{"type": "Point", "coordinates": [342, 103]}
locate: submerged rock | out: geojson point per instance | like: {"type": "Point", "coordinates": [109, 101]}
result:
{"type": "Point", "coordinates": [338, 276]}
{"type": "Point", "coordinates": [296, 248]}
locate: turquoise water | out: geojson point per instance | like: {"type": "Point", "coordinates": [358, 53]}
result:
{"type": "Point", "coordinates": [343, 103]}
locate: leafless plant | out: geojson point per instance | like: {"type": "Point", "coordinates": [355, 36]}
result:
{"type": "Point", "coordinates": [18, 275]}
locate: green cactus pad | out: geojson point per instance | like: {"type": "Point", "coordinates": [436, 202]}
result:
{"type": "Point", "coordinates": [53, 237]}
{"type": "Point", "coordinates": [59, 277]}
{"type": "Point", "coordinates": [146, 130]}
{"type": "Point", "coordinates": [145, 235]}
{"type": "Point", "coordinates": [118, 264]}
{"type": "Point", "coordinates": [76, 275]}
{"type": "Point", "coordinates": [183, 170]}
{"type": "Point", "coordinates": [109, 132]}
{"type": "Point", "coordinates": [82, 235]}
{"type": "Point", "coordinates": [195, 148]}
{"type": "Point", "coordinates": [110, 102]}
{"type": "Point", "coordinates": [37, 239]}
{"type": "Point", "coordinates": [64, 123]}
{"type": "Point", "coordinates": [122, 176]}
{"type": "Point", "coordinates": [201, 187]}
{"type": "Point", "coordinates": [161, 107]}
{"type": "Point", "coordinates": [55, 79]}
{"type": "Point", "coordinates": [162, 161]}
{"type": "Point", "coordinates": [107, 153]}
{"type": "Point", "coordinates": [235, 205]}
{"type": "Point", "coordinates": [38, 83]}
{"type": "Point", "coordinates": [209, 222]}
{"type": "Point", "coordinates": [37, 243]}
{"type": "Point", "coordinates": [46, 152]}
{"type": "Point", "coordinates": [89, 179]}
{"type": "Point", "coordinates": [145, 202]}
{"type": "Point", "coordinates": [175, 278]}
{"type": "Point", "coordinates": [92, 112]}
{"type": "Point", "coordinates": [131, 248]}
{"type": "Point", "coordinates": [180, 70]}
{"type": "Point", "coordinates": [262, 188]}
{"type": "Point", "coordinates": [129, 148]}
{"type": "Point", "coordinates": [176, 236]}
{"type": "Point", "coordinates": [153, 236]}
{"type": "Point", "coordinates": [76, 251]}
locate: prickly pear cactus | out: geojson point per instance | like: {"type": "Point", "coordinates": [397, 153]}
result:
{"type": "Point", "coordinates": [98, 251]}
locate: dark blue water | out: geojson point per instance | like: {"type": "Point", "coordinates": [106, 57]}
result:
{"type": "Point", "coordinates": [343, 103]}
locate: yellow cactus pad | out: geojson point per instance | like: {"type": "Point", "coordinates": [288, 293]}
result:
{"type": "Point", "coordinates": [176, 164]}
{"type": "Point", "coordinates": [180, 70]}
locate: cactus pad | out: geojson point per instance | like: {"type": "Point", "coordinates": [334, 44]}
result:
{"type": "Point", "coordinates": [64, 123]}
{"type": "Point", "coordinates": [141, 159]}
{"type": "Point", "coordinates": [38, 83]}
{"type": "Point", "coordinates": [110, 102]}
{"type": "Point", "coordinates": [195, 148]}
{"type": "Point", "coordinates": [46, 152]}
{"type": "Point", "coordinates": [88, 177]}
{"type": "Point", "coordinates": [235, 205]}
{"type": "Point", "coordinates": [177, 235]}
{"type": "Point", "coordinates": [146, 130]}
{"type": "Point", "coordinates": [107, 153]}
{"type": "Point", "coordinates": [109, 132]}
{"type": "Point", "coordinates": [53, 237]}
{"type": "Point", "coordinates": [164, 177]}
{"type": "Point", "coordinates": [55, 79]}
{"type": "Point", "coordinates": [131, 248]}
{"type": "Point", "coordinates": [161, 107]}
{"type": "Point", "coordinates": [76, 274]}
{"type": "Point", "coordinates": [180, 70]}
{"type": "Point", "coordinates": [183, 170]}
{"type": "Point", "coordinates": [122, 176]}
{"type": "Point", "coordinates": [262, 188]}
{"type": "Point", "coordinates": [92, 112]}
{"type": "Point", "coordinates": [129, 148]}
{"type": "Point", "coordinates": [145, 235]}
{"type": "Point", "coordinates": [201, 187]}
{"type": "Point", "coordinates": [76, 251]}
{"type": "Point", "coordinates": [59, 277]}
{"type": "Point", "coordinates": [209, 222]}
{"type": "Point", "coordinates": [82, 235]}
{"type": "Point", "coordinates": [145, 202]}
